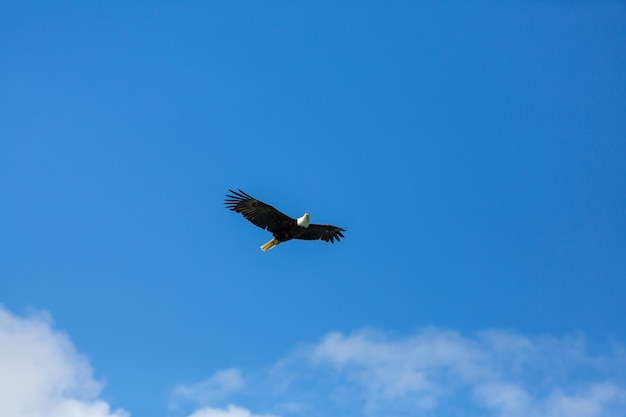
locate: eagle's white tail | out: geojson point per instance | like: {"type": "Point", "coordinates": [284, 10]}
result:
{"type": "Point", "coordinates": [269, 245]}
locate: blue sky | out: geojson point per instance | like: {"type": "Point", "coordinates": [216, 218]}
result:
{"type": "Point", "coordinates": [476, 155]}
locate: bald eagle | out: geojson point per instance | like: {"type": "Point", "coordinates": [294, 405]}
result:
{"type": "Point", "coordinates": [283, 227]}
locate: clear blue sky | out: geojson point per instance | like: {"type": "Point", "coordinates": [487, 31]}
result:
{"type": "Point", "coordinates": [476, 155]}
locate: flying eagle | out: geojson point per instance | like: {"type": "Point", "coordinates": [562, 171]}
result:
{"type": "Point", "coordinates": [283, 227]}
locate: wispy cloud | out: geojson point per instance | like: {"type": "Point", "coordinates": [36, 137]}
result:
{"type": "Point", "coordinates": [441, 372]}
{"type": "Point", "coordinates": [211, 390]}
{"type": "Point", "coordinates": [42, 374]}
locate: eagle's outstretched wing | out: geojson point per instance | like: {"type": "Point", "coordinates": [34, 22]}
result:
{"type": "Point", "coordinates": [255, 211]}
{"type": "Point", "coordinates": [324, 232]}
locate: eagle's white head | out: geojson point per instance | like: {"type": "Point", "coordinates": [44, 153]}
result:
{"type": "Point", "coordinates": [304, 221]}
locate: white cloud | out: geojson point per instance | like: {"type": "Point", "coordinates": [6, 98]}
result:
{"type": "Point", "coordinates": [431, 372]}
{"type": "Point", "coordinates": [42, 375]}
{"type": "Point", "coordinates": [230, 411]}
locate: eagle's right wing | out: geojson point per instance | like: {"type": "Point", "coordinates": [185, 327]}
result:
{"type": "Point", "coordinates": [325, 232]}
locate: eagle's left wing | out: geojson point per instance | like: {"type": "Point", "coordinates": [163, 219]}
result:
{"type": "Point", "coordinates": [256, 212]}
